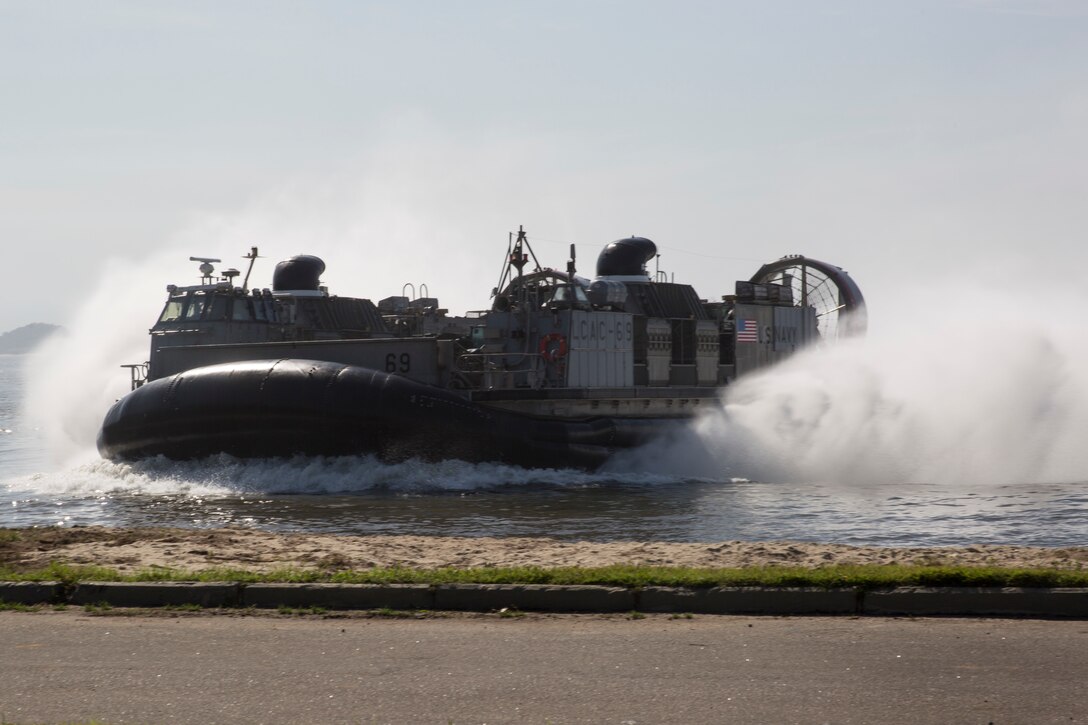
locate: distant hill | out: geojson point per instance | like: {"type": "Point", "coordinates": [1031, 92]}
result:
{"type": "Point", "coordinates": [26, 338]}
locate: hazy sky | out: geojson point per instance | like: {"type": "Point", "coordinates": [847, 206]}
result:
{"type": "Point", "coordinates": [906, 141]}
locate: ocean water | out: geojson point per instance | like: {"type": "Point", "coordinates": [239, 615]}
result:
{"type": "Point", "coordinates": [786, 457]}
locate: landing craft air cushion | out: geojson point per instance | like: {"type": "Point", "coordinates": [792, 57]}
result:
{"type": "Point", "coordinates": [562, 370]}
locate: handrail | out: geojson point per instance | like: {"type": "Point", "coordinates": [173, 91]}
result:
{"type": "Point", "coordinates": [137, 374]}
{"type": "Point", "coordinates": [487, 372]}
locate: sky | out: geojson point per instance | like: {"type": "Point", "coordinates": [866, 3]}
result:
{"type": "Point", "coordinates": [913, 143]}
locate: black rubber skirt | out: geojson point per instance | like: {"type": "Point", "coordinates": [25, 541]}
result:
{"type": "Point", "coordinates": [269, 408]}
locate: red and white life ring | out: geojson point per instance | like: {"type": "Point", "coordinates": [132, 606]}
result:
{"type": "Point", "coordinates": [550, 353]}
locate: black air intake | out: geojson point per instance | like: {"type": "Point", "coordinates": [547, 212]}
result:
{"type": "Point", "coordinates": [298, 273]}
{"type": "Point", "coordinates": [625, 257]}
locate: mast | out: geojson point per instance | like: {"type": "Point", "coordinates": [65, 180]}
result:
{"type": "Point", "coordinates": [252, 257]}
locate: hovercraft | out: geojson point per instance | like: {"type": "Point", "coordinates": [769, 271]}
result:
{"type": "Point", "coordinates": [562, 370]}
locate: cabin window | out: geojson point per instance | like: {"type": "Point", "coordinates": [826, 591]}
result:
{"type": "Point", "coordinates": [217, 308]}
{"type": "Point", "coordinates": [173, 310]}
{"type": "Point", "coordinates": [559, 295]}
{"type": "Point", "coordinates": [196, 307]}
{"type": "Point", "coordinates": [568, 296]}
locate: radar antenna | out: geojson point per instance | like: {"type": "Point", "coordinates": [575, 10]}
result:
{"type": "Point", "coordinates": [206, 268]}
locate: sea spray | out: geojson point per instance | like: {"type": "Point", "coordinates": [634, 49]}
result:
{"type": "Point", "coordinates": [963, 389]}
{"type": "Point", "coordinates": [72, 379]}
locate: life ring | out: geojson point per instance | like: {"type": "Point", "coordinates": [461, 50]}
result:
{"type": "Point", "coordinates": [546, 350]}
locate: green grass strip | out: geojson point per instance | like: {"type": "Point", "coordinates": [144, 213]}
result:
{"type": "Point", "coordinates": [861, 576]}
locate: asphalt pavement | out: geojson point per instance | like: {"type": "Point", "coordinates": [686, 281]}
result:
{"type": "Point", "coordinates": [74, 667]}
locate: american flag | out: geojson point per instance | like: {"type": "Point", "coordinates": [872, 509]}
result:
{"type": "Point", "coordinates": [747, 331]}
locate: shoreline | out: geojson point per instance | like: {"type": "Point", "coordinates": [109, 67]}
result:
{"type": "Point", "coordinates": [129, 550]}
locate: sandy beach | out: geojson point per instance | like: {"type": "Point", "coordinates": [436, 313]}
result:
{"type": "Point", "coordinates": [129, 550]}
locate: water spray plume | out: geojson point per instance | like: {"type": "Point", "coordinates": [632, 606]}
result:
{"type": "Point", "coordinates": [969, 389]}
{"type": "Point", "coordinates": [73, 378]}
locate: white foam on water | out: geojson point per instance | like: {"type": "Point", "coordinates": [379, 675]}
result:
{"type": "Point", "coordinates": [971, 388]}
{"type": "Point", "coordinates": [225, 475]}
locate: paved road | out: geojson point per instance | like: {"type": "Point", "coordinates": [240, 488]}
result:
{"type": "Point", "coordinates": [71, 667]}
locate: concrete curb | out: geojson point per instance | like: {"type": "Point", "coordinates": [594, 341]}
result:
{"type": "Point", "coordinates": [156, 594]}
{"type": "Point", "coordinates": [339, 596]}
{"type": "Point", "coordinates": [533, 597]}
{"type": "Point", "coordinates": [749, 600]}
{"type": "Point", "coordinates": [911, 601]}
{"type": "Point", "coordinates": [31, 592]}
{"type": "Point", "coordinates": [978, 601]}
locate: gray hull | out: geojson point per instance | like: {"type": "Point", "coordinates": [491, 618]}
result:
{"type": "Point", "coordinates": [270, 408]}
